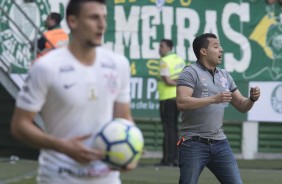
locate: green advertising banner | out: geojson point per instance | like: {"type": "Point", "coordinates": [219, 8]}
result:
{"type": "Point", "coordinates": [250, 32]}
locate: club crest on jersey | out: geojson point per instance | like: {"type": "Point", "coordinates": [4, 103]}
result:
{"type": "Point", "coordinates": [92, 92]}
{"type": "Point", "coordinates": [224, 82]}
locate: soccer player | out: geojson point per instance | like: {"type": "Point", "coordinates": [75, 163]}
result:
{"type": "Point", "coordinates": [203, 89]}
{"type": "Point", "coordinates": [76, 89]}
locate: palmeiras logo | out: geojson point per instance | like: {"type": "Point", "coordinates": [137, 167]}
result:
{"type": "Point", "coordinates": [276, 99]}
{"type": "Point", "coordinates": [15, 49]}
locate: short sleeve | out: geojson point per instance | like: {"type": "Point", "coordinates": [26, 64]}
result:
{"type": "Point", "coordinates": [33, 94]}
{"type": "Point", "coordinates": [232, 85]}
{"type": "Point", "coordinates": [164, 71]}
{"type": "Point", "coordinates": [124, 72]}
{"type": "Point", "coordinates": [187, 78]}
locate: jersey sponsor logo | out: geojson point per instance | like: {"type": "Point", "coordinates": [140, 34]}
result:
{"type": "Point", "coordinates": [108, 65]}
{"type": "Point", "coordinates": [67, 86]}
{"type": "Point", "coordinates": [14, 47]}
{"type": "Point", "coordinates": [276, 99]}
{"type": "Point", "coordinates": [66, 69]}
{"type": "Point", "coordinates": [85, 172]}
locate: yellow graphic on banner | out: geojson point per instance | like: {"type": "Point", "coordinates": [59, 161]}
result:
{"type": "Point", "coordinates": [185, 3]}
{"type": "Point", "coordinates": [167, 1]}
{"type": "Point", "coordinates": [133, 68]}
{"type": "Point", "coordinates": [260, 32]}
{"type": "Point", "coordinates": [124, 1]}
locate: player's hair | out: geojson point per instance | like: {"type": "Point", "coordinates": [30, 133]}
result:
{"type": "Point", "coordinates": [56, 16]}
{"type": "Point", "coordinates": [168, 42]}
{"type": "Point", "coordinates": [74, 6]}
{"type": "Point", "coordinates": [202, 41]}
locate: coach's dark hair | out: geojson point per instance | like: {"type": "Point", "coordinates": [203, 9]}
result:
{"type": "Point", "coordinates": [201, 41]}
{"type": "Point", "coordinates": [73, 7]}
{"type": "Point", "coordinates": [168, 42]}
{"type": "Point", "coordinates": [56, 16]}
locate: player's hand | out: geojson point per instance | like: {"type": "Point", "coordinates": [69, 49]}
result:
{"type": "Point", "coordinates": [75, 149]}
{"type": "Point", "coordinates": [131, 166]}
{"type": "Point", "coordinates": [225, 96]}
{"type": "Point", "coordinates": [255, 93]}
{"type": "Point", "coordinates": [127, 168]}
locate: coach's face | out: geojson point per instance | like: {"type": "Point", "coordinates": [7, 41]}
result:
{"type": "Point", "coordinates": [90, 25]}
{"type": "Point", "coordinates": [214, 52]}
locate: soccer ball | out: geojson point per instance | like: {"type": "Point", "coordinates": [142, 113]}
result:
{"type": "Point", "coordinates": [121, 141]}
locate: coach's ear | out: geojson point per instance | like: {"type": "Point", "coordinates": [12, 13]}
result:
{"type": "Point", "coordinates": [203, 51]}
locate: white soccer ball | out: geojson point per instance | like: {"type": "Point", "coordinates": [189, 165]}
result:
{"type": "Point", "coordinates": [122, 142]}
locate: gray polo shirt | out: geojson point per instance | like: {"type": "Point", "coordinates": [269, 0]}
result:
{"type": "Point", "coordinates": [205, 121]}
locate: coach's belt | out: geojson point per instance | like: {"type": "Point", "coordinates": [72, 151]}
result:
{"type": "Point", "coordinates": [202, 140]}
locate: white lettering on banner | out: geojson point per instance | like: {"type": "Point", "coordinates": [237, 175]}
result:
{"type": "Point", "coordinates": [231, 63]}
{"type": "Point", "coordinates": [10, 44]}
{"type": "Point", "coordinates": [150, 18]}
{"type": "Point", "coordinates": [152, 85]}
{"type": "Point", "coordinates": [145, 105]}
{"type": "Point", "coordinates": [126, 31]}
{"type": "Point", "coordinates": [7, 56]}
{"type": "Point", "coordinates": [22, 55]}
{"type": "Point", "coordinates": [211, 19]}
{"type": "Point", "coordinates": [167, 20]}
{"type": "Point", "coordinates": [151, 101]}
{"type": "Point", "coordinates": [186, 33]}
{"type": "Point", "coordinates": [136, 86]}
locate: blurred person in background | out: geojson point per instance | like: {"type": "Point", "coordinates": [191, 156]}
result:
{"type": "Point", "coordinates": [54, 37]}
{"type": "Point", "coordinates": [170, 68]}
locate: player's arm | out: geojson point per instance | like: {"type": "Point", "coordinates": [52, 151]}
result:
{"type": "Point", "coordinates": [185, 101]}
{"type": "Point", "coordinates": [122, 101]}
{"type": "Point", "coordinates": [168, 81]}
{"type": "Point", "coordinates": [164, 73]}
{"type": "Point", "coordinates": [122, 110]}
{"type": "Point", "coordinates": [242, 103]}
{"type": "Point", "coordinates": [25, 130]}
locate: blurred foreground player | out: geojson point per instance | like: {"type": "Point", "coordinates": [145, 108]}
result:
{"type": "Point", "coordinates": [76, 90]}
